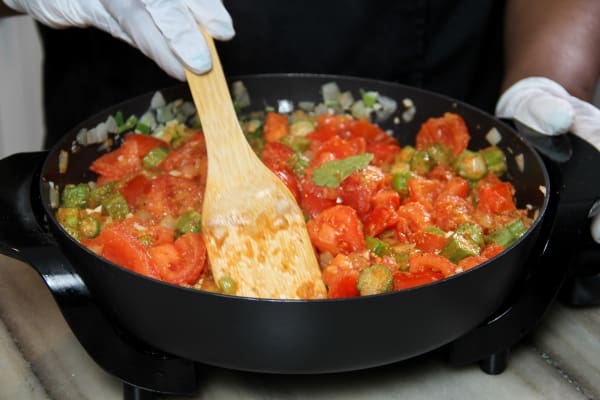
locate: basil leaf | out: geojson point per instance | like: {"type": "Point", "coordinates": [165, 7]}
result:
{"type": "Point", "coordinates": [332, 173]}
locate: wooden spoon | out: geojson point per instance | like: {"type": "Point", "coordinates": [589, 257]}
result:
{"type": "Point", "coordinates": [254, 230]}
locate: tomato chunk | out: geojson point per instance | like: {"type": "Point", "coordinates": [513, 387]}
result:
{"type": "Point", "coordinates": [337, 230]}
{"type": "Point", "coordinates": [449, 130]}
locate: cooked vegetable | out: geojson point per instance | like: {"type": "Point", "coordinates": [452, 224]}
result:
{"type": "Point", "coordinates": [375, 279]}
{"type": "Point", "coordinates": [75, 195]}
{"type": "Point", "coordinates": [495, 160]}
{"type": "Point", "coordinates": [332, 173]}
{"type": "Point", "coordinates": [465, 242]}
{"type": "Point", "coordinates": [508, 234]}
{"type": "Point", "coordinates": [381, 215]}
{"type": "Point", "coordinates": [471, 165]}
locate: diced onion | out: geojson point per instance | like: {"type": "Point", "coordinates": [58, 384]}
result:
{"type": "Point", "coordinates": [542, 189]}
{"type": "Point", "coordinates": [331, 92]}
{"type": "Point", "coordinates": [240, 94]}
{"type": "Point", "coordinates": [493, 136]}
{"type": "Point", "coordinates": [157, 100]}
{"type": "Point", "coordinates": [54, 195]}
{"type": "Point", "coordinates": [520, 160]}
{"type": "Point", "coordinates": [63, 161]}
{"type": "Point", "coordinates": [285, 106]}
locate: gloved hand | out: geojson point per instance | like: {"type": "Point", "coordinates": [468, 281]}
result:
{"type": "Point", "coordinates": [548, 108]}
{"type": "Point", "coordinates": [164, 30]}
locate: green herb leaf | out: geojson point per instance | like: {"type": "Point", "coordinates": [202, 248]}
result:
{"type": "Point", "coordinates": [332, 173]}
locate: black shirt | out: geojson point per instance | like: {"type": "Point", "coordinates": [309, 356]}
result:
{"type": "Point", "coordinates": [452, 47]}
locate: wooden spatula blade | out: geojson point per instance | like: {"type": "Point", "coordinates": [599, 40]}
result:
{"type": "Point", "coordinates": [254, 230]}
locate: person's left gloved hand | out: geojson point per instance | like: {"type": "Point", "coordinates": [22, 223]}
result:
{"type": "Point", "coordinates": [548, 108]}
{"type": "Point", "coordinates": [164, 30]}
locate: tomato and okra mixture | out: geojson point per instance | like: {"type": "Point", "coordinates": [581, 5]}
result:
{"type": "Point", "coordinates": [382, 215]}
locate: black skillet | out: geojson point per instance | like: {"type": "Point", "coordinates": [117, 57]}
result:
{"type": "Point", "coordinates": [272, 335]}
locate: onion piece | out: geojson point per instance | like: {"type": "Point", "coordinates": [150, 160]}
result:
{"type": "Point", "coordinates": [493, 136]}
{"type": "Point", "coordinates": [63, 161]}
{"type": "Point", "coordinates": [53, 194]}
{"type": "Point", "coordinates": [520, 160]}
{"type": "Point", "coordinates": [157, 100]}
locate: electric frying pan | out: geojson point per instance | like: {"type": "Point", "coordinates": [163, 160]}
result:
{"type": "Point", "coordinates": [276, 336]}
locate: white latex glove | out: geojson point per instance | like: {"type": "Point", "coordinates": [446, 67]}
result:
{"type": "Point", "coordinates": [547, 107]}
{"type": "Point", "coordinates": [164, 30]}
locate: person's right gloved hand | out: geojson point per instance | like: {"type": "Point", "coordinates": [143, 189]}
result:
{"type": "Point", "coordinates": [164, 30]}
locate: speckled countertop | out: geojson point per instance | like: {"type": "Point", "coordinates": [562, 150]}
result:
{"type": "Point", "coordinates": [40, 358]}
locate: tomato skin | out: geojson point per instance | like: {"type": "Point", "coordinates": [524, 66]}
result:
{"type": "Point", "coordinates": [405, 280]}
{"type": "Point", "coordinates": [341, 283]}
{"type": "Point", "coordinates": [189, 160]}
{"type": "Point", "coordinates": [496, 198]}
{"type": "Point", "coordinates": [423, 190]}
{"type": "Point", "coordinates": [118, 244]}
{"type": "Point", "coordinates": [449, 130]}
{"type": "Point", "coordinates": [180, 262]}
{"type": "Point", "coordinates": [383, 153]}
{"type": "Point", "coordinates": [135, 189]}
{"type": "Point", "coordinates": [338, 147]}
{"type": "Point", "coordinates": [429, 242]}
{"type": "Point", "coordinates": [337, 230]}
{"type": "Point", "coordinates": [471, 262]}
{"type": "Point", "coordinates": [416, 214]}
{"type": "Point", "coordinates": [420, 262]}
{"type": "Point", "coordinates": [119, 163]}
{"type": "Point", "coordinates": [276, 126]}
{"type": "Point", "coordinates": [358, 190]}
{"type": "Point", "coordinates": [492, 250]}
{"type": "Point", "coordinates": [456, 186]}
{"type": "Point", "coordinates": [171, 195]}
{"type": "Point", "coordinates": [276, 156]}
{"type": "Point", "coordinates": [449, 211]}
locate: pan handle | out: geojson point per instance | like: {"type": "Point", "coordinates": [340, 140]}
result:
{"type": "Point", "coordinates": [23, 234]}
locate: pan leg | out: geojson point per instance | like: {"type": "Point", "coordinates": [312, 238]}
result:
{"type": "Point", "coordinates": [131, 392]}
{"type": "Point", "coordinates": [495, 363]}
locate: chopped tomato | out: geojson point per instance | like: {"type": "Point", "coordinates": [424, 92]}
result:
{"type": "Point", "coordinates": [429, 242]}
{"type": "Point", "coordinates": [182, 261]}
{"type": "Point", "coordinates": [416, 215]}
{"type": "Point", "coordinates": [119, 163]}
{"type": "Point", "coordinates": [171, 195]}
{"type": "Point", "coordinates": [329, 125]}
{"type": "Point", "coordinates": [117, 243]}
{"type": "Point", "coordinates": [341, 283]}
{"type": "Point", "coordinates": [449, 211]}
{"type": "Point", "coordinates": [337, 230]}
{"type": "Point", "coordinates": [314, 199]}
{"type": "Point", "coordinates": [276, 156]}
{"type": "Point", "coordinates": [405, 280]}
{"type": "Point", "coordinates": [449, 130]}
{"type": "Point", "coordinates": [423, 190]}
{"type": "Point", "coordinates": [383, 153]}
{"type": "Point", "coordinates": [455, 186]}
{"type": "Point", "coordinates": [420, 262]}
{"type": "Point", "coordinates": [188, 160]}
{"type": "Point", "coordinates": [496, 197]}
{"type": "Point", "coordinates": [276, 126]}
{"type": "Point", "coordinates": [492, 250]}
{"type": "Point", "coordinates": [134, 189]}
{"type": "Point", "coordinates": [359, 188]}
{"type": "Point", "coordinates": [471, 262]}
{"type": "Point", "coordinates": [379, 220]}
{"type": "Point", "coordinates": [340, 148]}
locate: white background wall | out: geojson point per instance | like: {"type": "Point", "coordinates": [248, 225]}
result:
{"type": "Point", "coordinates": [21, 125]}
